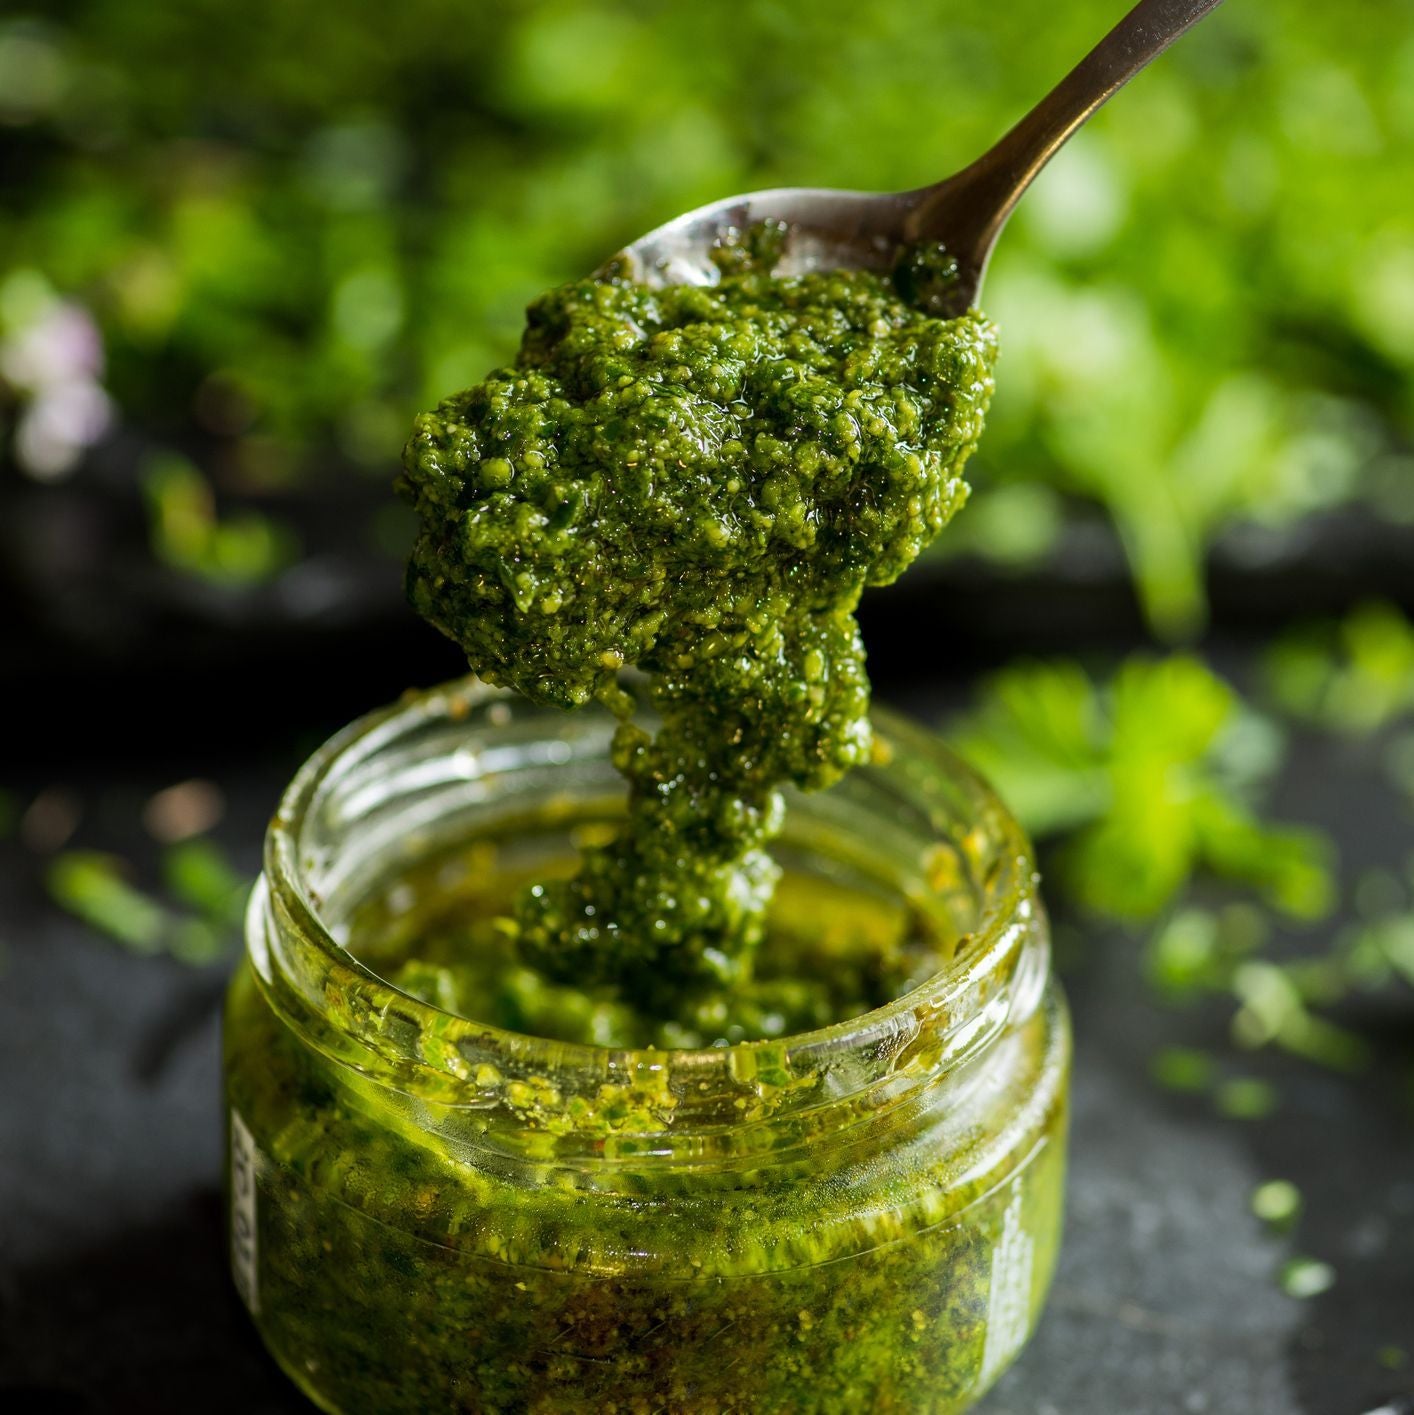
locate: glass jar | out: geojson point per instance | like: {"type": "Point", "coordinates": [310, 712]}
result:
{"type": "Point", "coordinates": [431, 1214]}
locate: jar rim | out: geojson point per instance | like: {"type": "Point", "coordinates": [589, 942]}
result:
{"type": "Point", "coordinates": [944, 1020]}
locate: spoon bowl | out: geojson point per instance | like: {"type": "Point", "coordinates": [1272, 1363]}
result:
{"type": "Point", "coordinates": [827, 229]}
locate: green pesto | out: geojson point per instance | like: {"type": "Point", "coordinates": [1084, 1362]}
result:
{"type": "Point", "coordinates": [830, 953]}
{"type": "Point", "coordinates": [403, 1268]}
{"type": "Point", "coordinates": [698, 482]}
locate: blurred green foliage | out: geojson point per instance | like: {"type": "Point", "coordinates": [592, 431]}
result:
{"type": "Point", "coordinates": [92, 886]}
{"type": "Point", "coordinates": [1146, 792]}
{"type": "Point", "coordinates": [1277, 1203]}
{"type": "Point", "coordinates": [294, 223]}
{"type": "Point", "coordinates": [198, 927]}
{"type": "Point", "coordinates": [1148, 778]}
{"type": "Point", "coordinates": [1354, 675]}
{"type": "Point", "coordinates": [245, 548]}
{"type": "Point", "coordinates": [1304, 1278]}
{"type": "Point", "coordinates": [199, 876]}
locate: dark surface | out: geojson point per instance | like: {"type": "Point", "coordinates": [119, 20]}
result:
{"type": "Point", "coordinates": [113, 1291]}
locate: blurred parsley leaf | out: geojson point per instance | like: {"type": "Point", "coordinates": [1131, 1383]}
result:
{"type": "Point", "coordinates": [198, 874]}
{"type": "Point", "coordinates": [95, 887]}
{"type": "Point", "coordinates": [1353, 676]}
{"type": "Point", "coordinates": [243, 549]}
{"type": "Point", "coordinates": [92, 886]}
{"type": "Point", "coordinates": [1148, 778]}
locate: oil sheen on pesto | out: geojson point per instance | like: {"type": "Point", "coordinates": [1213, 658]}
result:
{"type": "Point", "coordinates": [698, 482]}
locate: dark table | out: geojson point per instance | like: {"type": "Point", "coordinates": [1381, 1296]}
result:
{"type": "Point", "coordinates": [113, 1290]}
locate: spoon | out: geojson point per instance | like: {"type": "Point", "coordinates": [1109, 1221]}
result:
{"type": "Point", "coordinates": [842, 230]}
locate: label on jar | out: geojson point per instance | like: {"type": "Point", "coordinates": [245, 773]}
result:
{"type": "Point", "coordinates": [244, 1156]}
{"type": "Point", "coordinates": [1009, 1301]}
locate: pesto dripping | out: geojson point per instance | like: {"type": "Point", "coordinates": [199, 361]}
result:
{"type": "Point", "coordinates": [698, 482]}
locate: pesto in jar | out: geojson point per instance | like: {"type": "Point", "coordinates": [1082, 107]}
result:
{"type": "Point", "coordinates": [582, 1132]}
{"type": "Point", "coordinates": [829, 953]}
{"type": "Point", "coordinates": [698, 482]}
{"type": "Point", "coordinates": [435, 1213]}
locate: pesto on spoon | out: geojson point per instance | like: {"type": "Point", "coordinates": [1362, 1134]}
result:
{"type": "Point", "coordinates": [699, 460]}
{"type": "Point", "coordinates": [698, 482]}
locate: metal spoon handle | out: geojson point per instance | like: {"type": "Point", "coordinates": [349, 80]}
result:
{"type": "Point", "coordinates": [968, 210]}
